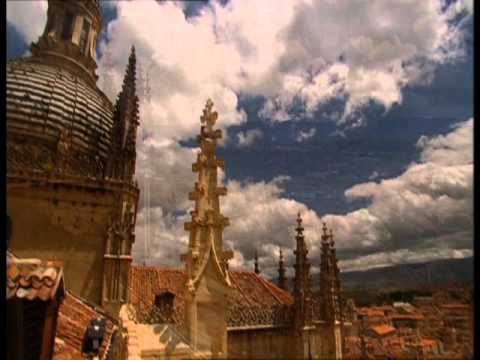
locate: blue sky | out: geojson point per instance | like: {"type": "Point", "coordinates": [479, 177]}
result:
{"type": "Point", "coordinates": [354, 117]}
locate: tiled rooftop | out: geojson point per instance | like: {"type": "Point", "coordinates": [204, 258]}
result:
{"type": "Point", "coordinates": [33, 279]}
{"type": "Point", "coordinates": [370, 312]}
{"type": "Point", "coordinates": [74, 317]}
{"type": "Point", "coordinates": [251, 294]}
{"type": "Point", "coordinates": [454, 306]}
{"type": "Point", "coordinates": [408, 317]}
{"type": "Point", "coordinates": [383, 329]}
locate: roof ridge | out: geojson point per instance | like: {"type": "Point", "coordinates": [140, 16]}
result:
{"type": "Point", "coordinates": [154, 267]}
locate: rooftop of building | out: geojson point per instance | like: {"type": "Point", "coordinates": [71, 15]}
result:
{"type": "Point", "coordinates": [455, 306]}
{"type": "Point", "coordinates": [252, 301]}
{"type": "Point", "coordinates": [34, 279]}
{"type": "Point", "coordinates": [75, 315]}
{"type": "Point", "coordinates": [407, 317]}
{"type": "Point", "coordinates": [382, 330]}
{"type": "Point", "coordinates": [370, 312]}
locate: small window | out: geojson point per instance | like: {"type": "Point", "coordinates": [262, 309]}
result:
{"type": "Point", "coordinates": [68, 26]}
{"type": "Point", "coordinates": [164, 304]}
{"type": "Point", "coordinates": [84, 36]}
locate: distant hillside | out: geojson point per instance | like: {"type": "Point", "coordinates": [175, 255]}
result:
{"type": "Point", "coordinates": [410, 275]}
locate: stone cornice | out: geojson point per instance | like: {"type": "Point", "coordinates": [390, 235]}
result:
{"type": "Point", "coordinates": [39, 178]}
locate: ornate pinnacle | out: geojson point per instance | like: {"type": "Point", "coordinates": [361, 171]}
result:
{"type": "Point", "coordinates": [282, 281]}
{"type": "Point", "coordinates": [301, 291]}
{"type": "Point", "coordinates": [299, 225]}
{"type": "Point", "coordinates": [209, 117]}
{"type": "Point", "coordinates": [332, 243]}
{"type": "Point", "coordinates": [129, 79]}
{"type": "Point", "coordinates": [257, 270]}
{"type": "Point", "coordinates": [325, 234]}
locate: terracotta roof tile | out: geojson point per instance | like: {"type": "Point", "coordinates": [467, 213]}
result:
{"type": "Point", "coordinates": [455, 306]}
{"type": "Point", "coordinates": [428, 342]}
{"type": "Point", "coordinates": [252, 300]}
{"type": "Point", "coordinates": [34, 279]}
{"type": "Point", "coordinates": [74, 317]}
{"type": "Point", "coordinates": [370, 312]}
{"type": "Point", "coordinates": [407, 317]}
{"type": "Point", "coordinates": [382, 329]}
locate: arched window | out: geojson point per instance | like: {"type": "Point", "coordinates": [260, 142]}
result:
{"type": "Point", "coordinates": [68, 26]}
{"type": "Point", "coordinates": [84, 36]}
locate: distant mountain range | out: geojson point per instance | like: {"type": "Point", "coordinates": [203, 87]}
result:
{"type": "Point", "coordinates": [410, 275]}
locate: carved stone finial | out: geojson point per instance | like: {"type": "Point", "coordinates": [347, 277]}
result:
{"type": "Point", "coordinates": [209, 117]}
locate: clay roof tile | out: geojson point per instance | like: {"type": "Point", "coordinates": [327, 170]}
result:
{"type": "Point", "coordinates": [31, 279]}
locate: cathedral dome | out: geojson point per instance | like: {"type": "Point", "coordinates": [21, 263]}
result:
{"type": "Point", "coordinates": [45, 101]}
{"type": "Point", "coordinates": [57, 118]}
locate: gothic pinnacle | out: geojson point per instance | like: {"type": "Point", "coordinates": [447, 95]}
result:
{"type": "Point", "coordinates": [257, 270]}
{"type": "Point", "coordinates": [301, 291]}
{"type": "Point", "coordinates": [325, 234]}
{"type": "Point", "coordinates": [130, 73]}
{"type": "Point", "coordinates": [332, 243]}
{"type": "Point", "coordinates": [281, 272]}
{"type": "Point", "coordinates": [299, 228]}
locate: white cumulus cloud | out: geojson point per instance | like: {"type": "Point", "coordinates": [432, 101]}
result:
{"type": "Point", "coordinates": [305, 135]}
{"type": "Point", "coordinates": [28, 17]}
{"type": "Point", "coordinates": [249, 137]}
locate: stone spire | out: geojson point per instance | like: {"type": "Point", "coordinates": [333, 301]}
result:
{"type": "Point", "coordinates": [330, 298]}
{"type": "Point", "coordinates": [124, 132]}
{"type": "Point", "coordinates": [121, 167]}
{"type": "Point", "coordinates": [336, 286]}
{"type": "Point", "coordinates": [282, 281]}
{"type": "Point", "coordinates": [205, 260]}
{"type": "Point", "coordinates": [257, 270]}
{"type": "Point", "coordinates": [70, 36]}
{"type": "Point", "coordinates": [329, 279]}
{"type": "Point", "coordinates": [301, 291]}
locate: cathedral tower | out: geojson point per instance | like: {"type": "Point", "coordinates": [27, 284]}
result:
{"type": "Point", "coordinates": [70, 36]}
{"type": "Point", "coordinates": [207, 280]}
{"type": "Point", "coordinates": [71, 193]}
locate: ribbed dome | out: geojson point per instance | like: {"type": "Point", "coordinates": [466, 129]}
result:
{"type": "Point", "coordinates": [46, 102]}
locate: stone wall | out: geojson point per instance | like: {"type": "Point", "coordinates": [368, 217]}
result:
{"type": "Point", "coordinates": [260, 343]}
{"type": "Point", "coordinates": [278, 343]}
{"type": "Point", "coordinates": [65, 223]}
